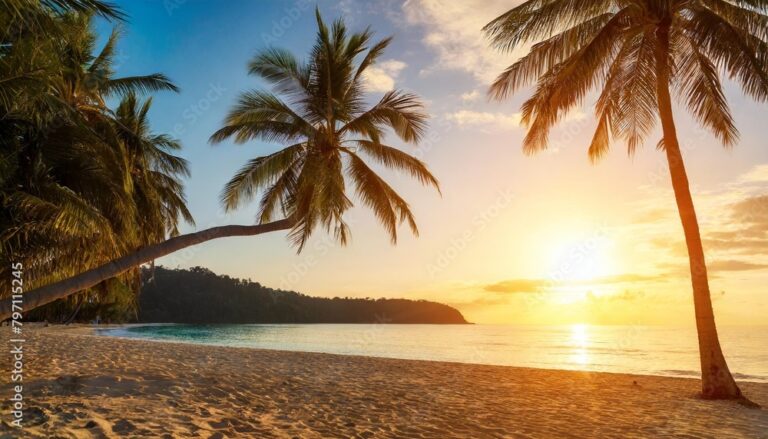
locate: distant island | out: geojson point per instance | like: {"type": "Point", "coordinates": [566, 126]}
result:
{"type": "Point", "coordinates": [198, 295]}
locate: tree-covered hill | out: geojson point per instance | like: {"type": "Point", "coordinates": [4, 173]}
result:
{"type": "Point", "coordinates": [198, 295]}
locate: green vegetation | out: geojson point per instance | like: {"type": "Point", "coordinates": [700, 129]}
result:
{"type": "Point", "coordinates": [90, 194]}
{"type": "Point", "coordinates": [198, 295]}
{"type": "Point", "coordinates": [80, 183]}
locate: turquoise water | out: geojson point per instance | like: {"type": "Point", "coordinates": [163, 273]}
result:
{"type": "Point", "coordinates": [625, 349]}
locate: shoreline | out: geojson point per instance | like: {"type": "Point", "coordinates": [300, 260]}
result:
{"type": "Point", "coordinates": [90, 329]}
{"type": "Point", "coordinates": [80, 385]}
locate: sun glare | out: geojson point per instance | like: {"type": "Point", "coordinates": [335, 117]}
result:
{"type": "Point", "coordinates": [581, 261]}
{"type": "Point", "coordinates": [580, 343]}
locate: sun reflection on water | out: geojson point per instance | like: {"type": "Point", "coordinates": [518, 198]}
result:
{"type": "Point", "coordinates": [580, 343]}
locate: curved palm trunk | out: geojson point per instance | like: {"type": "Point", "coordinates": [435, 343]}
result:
{"type": "Point", "coordinates": [716, 380]}
{"type": "Point", "coordinates": [66, 287]}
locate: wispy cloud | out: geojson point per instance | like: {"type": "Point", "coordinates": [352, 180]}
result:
{"type": "Point", "coordinates": [758, 174]}
{"type": "Point", "coordinates": [382, 76]}
{"type": "Point", "coordinates": [517, 286]}
{"type": "Point", "coordinates": [536, 285]}
{"type": "Point", "coordinates": [497, 120]}
{"type": "Point", "coordinates": [453, 29]}
{"type": "Point", "coordinates": [482, 119]}
{"type": "Point", "coordinates": [735, 265]}
{"type": "Point", "coordinates": [471, 96]}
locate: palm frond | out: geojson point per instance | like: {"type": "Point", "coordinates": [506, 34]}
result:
{"type": "Point", "coordinates": [390, 209]}
{"type": "Point", "coordinates": [566, 84]}
{"type": "Point", "coordinates": [395, 159]}
{"type": "Point", "coordinates": [281, 68]}
{"type": "Point", "coordinates": [545, 55]}
{"type": "Point", "coordinates": [398, 110]}
{"type": "Point", "coordinates": [258, 172]}
{"type": "Point", "coordinates": [263, 115]}
{"type": "Point", "coordinates": [103, 61]}
{"type": "Point", "coordinates": [536, 19]}
{"type": "Point", "coordinates": [139, 84]}
{"type": "Point", "coordinates": [741, 54]}
{"type": "Point", "coordinates": [700, 86]}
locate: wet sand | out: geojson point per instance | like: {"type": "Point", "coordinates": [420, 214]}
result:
{"type": "Point", "coordinates": [81, 386]}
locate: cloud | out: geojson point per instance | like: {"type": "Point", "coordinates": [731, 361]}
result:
{"type": "Point", "coordinates": [653, 216]}
{"type": "Point", "coordinates": [381, 76]}
{"type": "Point", "coordinates": [758, 174]}
{"type": "Point", "coordinates": [513, 286]}
{"type": "Point", "coordinates": [623, 278]}
{"type": "Point", "coordinates": [453, 29]}
{"type": "Point", "coordinates": [735, 265]}
{"type": "Point", "coordinates": [741, 228]}
{"type": "Point", "coordinates": [746, 230]}
{"type": "Point", "coordinates": [481, 119]}
{"type": "Point", "coordinates": [503, 121]}
{"type": "Point", "coordinates": [517, 286]}
{"type": "Point", "coordinates": [752, 211]}
{"type": "Point", "coordinates": [471, 96]}
{"type": "Point", "coordinates": [740, 246]}
{"type": "Point", "coordinates": [625, 295]}
{"type": "Point", "coordinates": [479, 303]}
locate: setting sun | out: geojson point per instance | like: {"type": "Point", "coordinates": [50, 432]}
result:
{"type": "Point", "coordinates": [578, 261]}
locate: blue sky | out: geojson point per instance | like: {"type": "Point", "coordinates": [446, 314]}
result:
{"type": "Point", "coordinates": [505, 221]}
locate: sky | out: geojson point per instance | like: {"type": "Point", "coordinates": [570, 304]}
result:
{"type": "Point", "coordinates": [544, 239]}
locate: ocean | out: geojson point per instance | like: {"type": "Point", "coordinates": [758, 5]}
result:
{"type": "Point", "coordinates": [646, 350]}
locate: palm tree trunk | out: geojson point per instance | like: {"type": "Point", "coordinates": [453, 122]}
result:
{"type": "Point", "coordinates": [87, 279]}
{"type": "Point", "coordinates": [716, 380]}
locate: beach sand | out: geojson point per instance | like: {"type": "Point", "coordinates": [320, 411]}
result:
{"type": "Point", "coordinates": [82, 385]}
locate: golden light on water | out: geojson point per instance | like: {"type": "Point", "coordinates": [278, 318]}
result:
{"type": "Point", "coordinates": [580, 342]}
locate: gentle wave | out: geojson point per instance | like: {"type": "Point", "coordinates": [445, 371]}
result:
{"type": "Point", "coordinates": [620, 349]}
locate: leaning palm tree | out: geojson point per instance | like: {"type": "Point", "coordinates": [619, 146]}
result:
{"type": "Point", "coordinates": [641, 52]}
{"type": "Point", "coordinates": [67, 176]}
{"type": "Point", "coordinates": [323, 119]}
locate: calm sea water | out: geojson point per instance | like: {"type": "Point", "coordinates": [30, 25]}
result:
{"type": "Point", "coordinates": [626, 349]}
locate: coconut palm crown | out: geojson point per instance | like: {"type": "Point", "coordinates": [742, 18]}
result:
{"type": "Point", "coordinates": [581, 44]}
{"type": "Point", "coordinates": [318, 110]}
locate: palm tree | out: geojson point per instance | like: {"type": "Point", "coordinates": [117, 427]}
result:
{"type": "Point", "coordinates": [327, 126]}
{"type": "Point", "coordinates": [641, 51]}
{"type": "Point", "coordinates": [87, 80]}
{"type": "Point", "coordinates": [154, 172]}
{"type": "Point", "coordinates": [68, 171]}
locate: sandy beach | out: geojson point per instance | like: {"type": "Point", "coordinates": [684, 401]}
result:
{"type": "Point", "coordinates": [80, 385]}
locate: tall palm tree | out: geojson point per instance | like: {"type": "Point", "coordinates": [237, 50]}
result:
{"type": "Point", "coordinates": [640, 52]}
{"type": "Point", "coordinates": [326, 125]}
{"type": "Point", "coordinates": [68, 168]}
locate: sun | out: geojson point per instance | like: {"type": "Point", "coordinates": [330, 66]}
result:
{"type": "Point", "coordinates": [579, 261]}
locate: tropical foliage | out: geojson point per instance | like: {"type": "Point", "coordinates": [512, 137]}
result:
{"type": "Point", "coordinates": [318, 110]}
{"type": "Point", "coordinates": [582, 44]}
{"type": "Point", "coordinates": [198, 295]}
{"type": "Point", "coordinates": [80, 183]}
{"type": "Point", "coordinates": [639, 53]}
{"type": "Point", "coordinates": [95, 201]}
